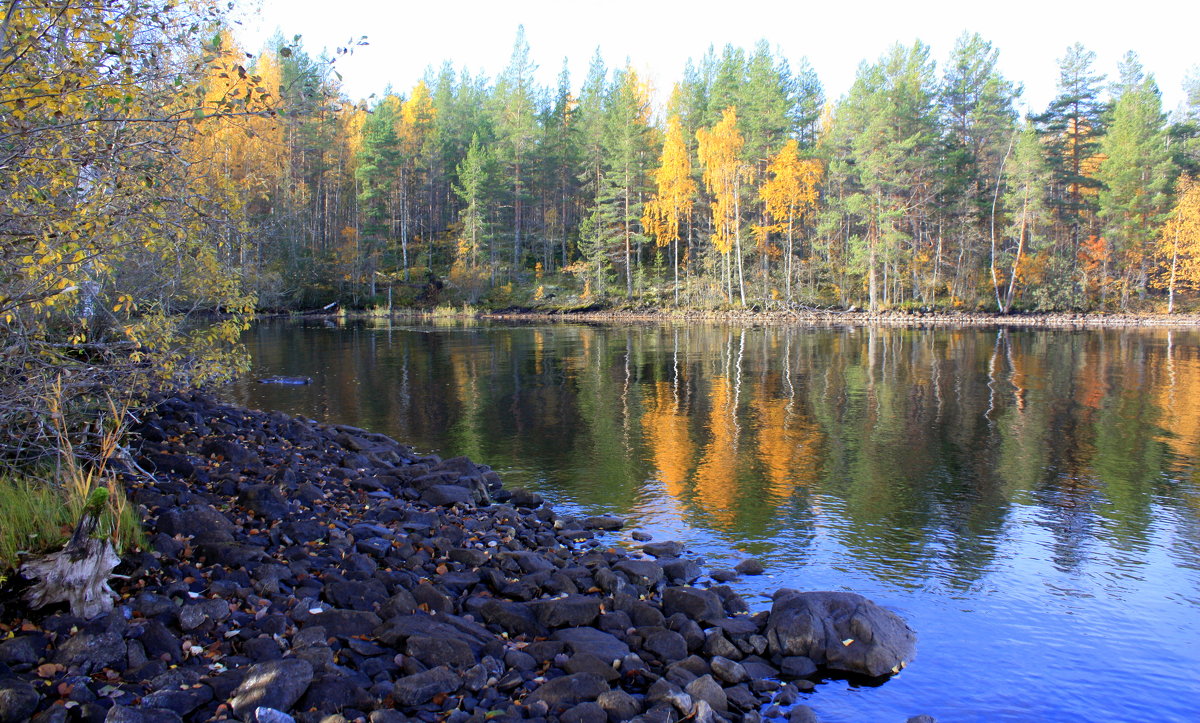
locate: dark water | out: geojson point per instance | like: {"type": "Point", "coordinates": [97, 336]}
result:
{"type": "Point", "coordinates": [1027, 500]}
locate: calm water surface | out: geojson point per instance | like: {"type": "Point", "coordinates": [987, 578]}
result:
{"type": "Point", "coordinates": [1027, 500]}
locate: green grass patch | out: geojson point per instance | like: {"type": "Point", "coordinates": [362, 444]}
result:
{"type": "Point", "coordinates": [38, 517]}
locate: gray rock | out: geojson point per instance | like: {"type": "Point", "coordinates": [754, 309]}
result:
{"type": "Point", "coordinates": [839, 631]}
{"type": "Point", "coordinates": [448, 496]}
{"type": "Point", "coordinates": [667, 645]}
{"type": "Point", "coordinates": [797, 666]}
{"type": "Point", "coordinates": [525, 498]}
{"type": "Point", "coordinates": [274, 684]}
{"type": "Point", "coordinates": [587, 712]}
{"type": "Point", "coordinates": [603, 522]}
{"type": "Point", "coordinates": [803, 714]}
{"type": "Point", "coordinates": [469, 556]}
{"type": "Point", "coordinates": [723, 574]}
{"type": "Point", "coordinates": [126, 714]}
{"type": "Point", "coordinates": [514, 618]}
{"type": "Point", "coordinates": [663, 549]}
{"type": "Point", "coordinates": [750, 566]}
{"type": "Point", "coordinates": [619, 705]}
{"type": "Point", "coordinates": [570, 611]}
{"type": "Point", "coordinates": [433, 650]}
{"type": "Point", "coordinates": [18, 700]}
{"type": "Point", "coordinates": [923, 718]}
{"type": "Point", "coordinates": [568, 690]}
{"type": "Point", "coordinates": [706, 688]}
{"type": "Point", "coordinates": [420, 688]}
{"type": "Point", "coordinates": [696, 604]}
{"type": "Point", "coordinates": [90, 652]}
{"type": "Point", "coordinates": [23, 650]}
{"type": "Point", "coordinates": [347, 623]}
{"type": "Point", "coordinates": [640, 572]}
{"type": "Point", "coordinates": [264, 500]}
{"type": "Point", "coordinates": [681, 570]}
{"type": "Point", "coordinates": [588, 663]}
{"type": "Point", "coordinates": [270, 715]}
{"type": "Point", "coordinates": [728, 671]}
{"type": "Point", "coordinates": [180, 702]}
{"type": "Point", "coordinates": [589, 640]}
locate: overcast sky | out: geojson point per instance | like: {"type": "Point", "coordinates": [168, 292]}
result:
{"type": "Point", "coordinates": [658, 37]}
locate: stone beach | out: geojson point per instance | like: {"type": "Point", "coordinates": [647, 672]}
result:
{"type": "Point", "coordinates": [314, 572]}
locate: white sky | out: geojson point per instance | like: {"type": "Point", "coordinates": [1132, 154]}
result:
{"type": "Point", "coordinates": [406, 37]}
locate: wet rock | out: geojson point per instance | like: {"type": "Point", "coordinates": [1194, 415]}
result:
{"type": "Point", "coordinates": [750, 566]}
{"type": "Point", "coordinates": [275, 684]}
{"type": "Point", "coordinates": [525, 498]}
{"type": "Point", "coordinates": [722, 574]}
{"type": "Point", "coordinates": [663, 549]}
{"type": "Point", "coordinates": [803, 714]}
{"type": "Point", "coordinates": [839, 631]}
{"type": "Point", "coordinates": [603, 522]}
{"type": "Point", "coordinates": [420, 688]}
{"type": "Point", "coordinates": [923, 718]}
{"type": "Point", "coordinates": [18, 700]}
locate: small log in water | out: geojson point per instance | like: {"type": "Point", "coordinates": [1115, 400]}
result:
{"type": "Point", "coordinates": [78, 574]}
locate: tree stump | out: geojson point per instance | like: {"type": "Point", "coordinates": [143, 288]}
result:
{"type": "Point", "coordinates": [78, 574]}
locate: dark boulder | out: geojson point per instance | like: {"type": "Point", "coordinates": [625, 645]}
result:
{"type": "Point", "coordinates": [275, 684]}
{"type": "Point", "coordinates": [839, 631]}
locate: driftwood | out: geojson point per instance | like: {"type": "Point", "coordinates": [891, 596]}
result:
{"type": "Point", "coordinates": [78, 574]}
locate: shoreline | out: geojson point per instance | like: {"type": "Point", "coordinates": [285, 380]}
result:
{"type": "Point", "coordinates": [1055, 320]}
{"type": "Point", "coordinates": [298, 570]}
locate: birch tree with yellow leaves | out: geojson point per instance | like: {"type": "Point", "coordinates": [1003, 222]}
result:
{"type": "Point", "coordinates": [790, 195]}
{"type": "Point", "coordinates": [720, 151]}
{"type": "Point", "coordinates": [1179, 241]}
{"type": "Point", "coordinates": [675, 196]}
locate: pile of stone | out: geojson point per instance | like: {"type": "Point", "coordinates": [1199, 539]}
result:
{"type": "Point", "coordinates": [312, 572]}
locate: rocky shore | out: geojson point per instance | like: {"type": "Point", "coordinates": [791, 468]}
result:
{"type": "Point", "coordinates": [312, 572]}
{"type": "Point", "coordinates": [856, 317]}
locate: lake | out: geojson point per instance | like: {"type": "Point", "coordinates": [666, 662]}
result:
{"type": "Point", "coordinates": [1027, 500]}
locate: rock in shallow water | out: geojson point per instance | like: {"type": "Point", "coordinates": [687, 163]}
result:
{"type": "Point", "coordinates": [840, 631]}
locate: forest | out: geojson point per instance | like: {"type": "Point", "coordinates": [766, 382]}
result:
{"type": "Point", "coordinates": [922, 187]}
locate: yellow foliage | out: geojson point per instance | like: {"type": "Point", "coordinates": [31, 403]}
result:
{"type": "Point", "coordinates": [676, 189]}
{"type": "Point", "coordinates": [720, 155]}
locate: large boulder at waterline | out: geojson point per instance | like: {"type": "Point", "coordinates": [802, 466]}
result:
{"type": "Point", "coordinates": [839, 631]}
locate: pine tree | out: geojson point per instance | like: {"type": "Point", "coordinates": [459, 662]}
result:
{"type": "Point", "coordinates": [1136, 174]}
